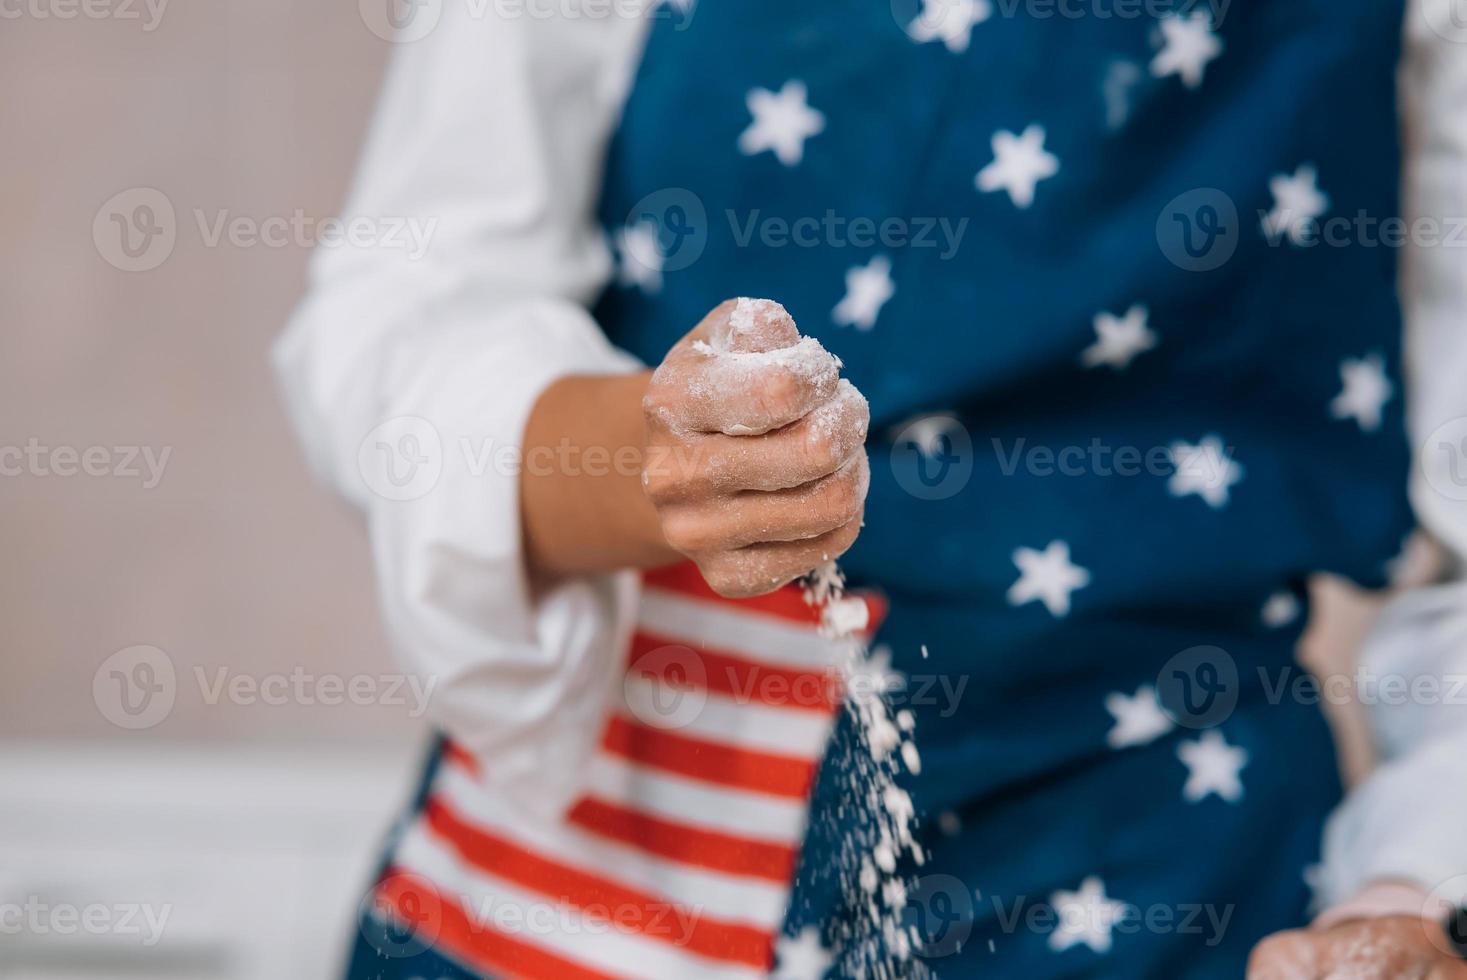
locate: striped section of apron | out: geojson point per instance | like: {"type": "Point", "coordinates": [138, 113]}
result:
{"type": "Point", "coordinates": [678, 860]}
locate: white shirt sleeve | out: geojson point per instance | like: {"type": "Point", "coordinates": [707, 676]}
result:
{"type": "Point", "coordinates": [411, 366]}
{"type": "Point", "coordinates": [1408, 820]}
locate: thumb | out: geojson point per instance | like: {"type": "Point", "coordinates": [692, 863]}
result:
{"type": "Point", "coordinates": [751, 326]}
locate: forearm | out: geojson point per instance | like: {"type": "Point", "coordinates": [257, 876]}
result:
{"type": "Point", "coordinates": [581, 500]}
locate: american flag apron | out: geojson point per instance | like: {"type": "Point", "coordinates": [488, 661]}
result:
{"type": "Point", "coordinates": [677, 861]}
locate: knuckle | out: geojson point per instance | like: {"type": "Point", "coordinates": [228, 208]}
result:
{"type": "Point", "coordinates": [861, 423]}
{"type": "Point", "coordinates": [842, 499]}
{"type": "Point", "coordinates": [778, 393]}
{"type": "Point", "coordinates": [658, 484]}
{"type": "Point", "coordinates": [847, 535]}
{"type": "Point", "coordinates": [824, 450]}
{"type": "Point", "coordinates": [728, 583]}
{"type": "Point", "coordinates": [656, 404]}
{"type": "Point", "coordinates": [688, 533]}
{"type": "Point", "coordinates": [664, 477]}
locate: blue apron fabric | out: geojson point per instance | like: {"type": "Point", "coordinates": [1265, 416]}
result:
{"type": "Point", "coordinates": [1022, 796]}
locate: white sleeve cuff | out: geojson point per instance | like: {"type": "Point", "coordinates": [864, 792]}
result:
{"type": "Point", "coordinates": [524, 685]}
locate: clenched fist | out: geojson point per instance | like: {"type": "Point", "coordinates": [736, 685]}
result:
{"type": "Point", "coordinates": [754, 458]}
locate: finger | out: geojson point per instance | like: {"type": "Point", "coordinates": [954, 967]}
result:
{"type": "Point", "coordinates": [813, 447]}
{"type": "Point", "coordinates": [797, 514]}
{"type": "Point", "coordinates": [742, 394]}
{"type": "Point", "coordinates": [1294, 955]}
{"type": "Point", "coordinates": [763, 568]}
{"type": "Point", "coordinates": [744, 370]}
{"type": "Point", "coordinates": [752, 326]}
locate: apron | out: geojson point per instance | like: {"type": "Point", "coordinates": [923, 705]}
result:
{"type": "Point", "coordinates": [1121, 406]}
{"type": "Point", "coordinates": [678, 860]}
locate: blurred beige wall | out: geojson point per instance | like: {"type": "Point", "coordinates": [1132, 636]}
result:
{"type": "Point", "coordinates": [251, 107]}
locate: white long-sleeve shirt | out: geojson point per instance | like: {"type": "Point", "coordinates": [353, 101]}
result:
{"type": "Point", "coordinates": [410, 380]}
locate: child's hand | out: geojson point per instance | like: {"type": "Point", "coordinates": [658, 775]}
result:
{"type": "Point", "coordinates": [754, 458]}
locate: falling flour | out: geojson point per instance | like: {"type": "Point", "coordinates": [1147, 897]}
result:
{"type": "Point", "coordinates": [877, 944]}
{"type": "Point", "coordinates": [876, 822]}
